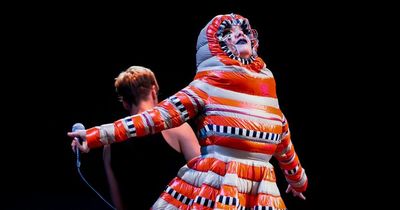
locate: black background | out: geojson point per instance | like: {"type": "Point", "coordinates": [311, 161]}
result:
{"type": "Point", "coordinates": [64, 59]}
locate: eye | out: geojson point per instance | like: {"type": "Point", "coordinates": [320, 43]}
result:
{"type": "Point", "coordinates": [226, 32]}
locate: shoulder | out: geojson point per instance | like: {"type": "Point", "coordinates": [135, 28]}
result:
{"type": "Point", "coordinates": [182, 130]}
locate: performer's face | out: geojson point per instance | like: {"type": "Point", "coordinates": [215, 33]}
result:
{"type": "Point", "coordinates": [237, 41]}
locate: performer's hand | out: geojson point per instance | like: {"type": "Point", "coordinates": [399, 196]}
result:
{"type": "Point", "coordinates": [294, 192]}
{"type": "Point", "coordinates": [81, 134]}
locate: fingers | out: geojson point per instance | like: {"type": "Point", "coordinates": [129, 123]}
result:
{"type": "Point", "coordinates": [295, 193]}
{"type": "Point", "coordinates": [301, 196]}
{"type": "Point", "coordinates": [73, 145]}
{"type": "Point", "coordinates": [289, 187]}
{"type": "Point", "coordinates": [73, 134]}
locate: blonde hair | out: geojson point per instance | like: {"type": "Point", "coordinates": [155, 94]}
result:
{"type": "Point", "coordinates": [135, 84]}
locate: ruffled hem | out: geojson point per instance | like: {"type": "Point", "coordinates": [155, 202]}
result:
{"type": "Point", "coordinates": [212, 183]}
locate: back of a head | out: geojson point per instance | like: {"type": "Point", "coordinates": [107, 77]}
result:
{"type": "Point", "coordinates": [135, 84]}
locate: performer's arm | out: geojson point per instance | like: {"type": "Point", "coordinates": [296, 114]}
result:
{"type": "Point", "coordinates": [170, 113]}
{"type": "Point", "coordinates": [112, 181]}
{"type": "Point", "coordinates": [290, 163]}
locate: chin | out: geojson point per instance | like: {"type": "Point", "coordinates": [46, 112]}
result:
{"type": "Point", "coordinates": [245, 54]}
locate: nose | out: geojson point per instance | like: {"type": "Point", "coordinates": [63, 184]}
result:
{"type": "Point", "coordinates": [238, 33]}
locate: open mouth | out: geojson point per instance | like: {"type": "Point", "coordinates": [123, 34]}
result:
{"type": "Point", "coordinates": [242, 41]}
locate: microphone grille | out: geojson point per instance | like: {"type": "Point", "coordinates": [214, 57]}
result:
{"type": "Point", "coordinates": [78, 126]}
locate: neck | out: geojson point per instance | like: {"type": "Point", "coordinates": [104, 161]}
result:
{"type": "Point", "coordinates": [143, 106]}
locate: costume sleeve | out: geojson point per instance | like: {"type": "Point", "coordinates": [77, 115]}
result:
{"type": "Point", "coordinates": [289, 161]}
{"type": "Point", "coordinates": [171, 112]}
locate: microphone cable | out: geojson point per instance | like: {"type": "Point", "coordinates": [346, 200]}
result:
{"type": "Point", "coordinates": [78, 166]}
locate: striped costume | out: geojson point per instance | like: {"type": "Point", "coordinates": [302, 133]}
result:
{"type": "Point", "coordinates": [240, 127]}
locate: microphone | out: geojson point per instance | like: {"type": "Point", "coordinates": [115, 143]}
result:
{"type": "Point", "coordinates": [76, 127]}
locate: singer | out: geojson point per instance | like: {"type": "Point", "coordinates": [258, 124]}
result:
{"type": "Point", "coordinates": [240, 127]}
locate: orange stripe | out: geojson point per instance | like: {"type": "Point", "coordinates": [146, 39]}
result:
{"type": "Point", "coordinates": [253, 173]}
{"type": "Point", "coordinates": [240, 144]}
{"type": "Point", "coordinates": [174, 114]}
{"type": "Point", "coordinates": [283, 145]}
{"type": "Point", "coordinates": [247, 105]}
{"type": "Point", "coordinates": [93, 138]}
{"type": "Point", "coordinates": [291, 165]}
{"type": "Point", "coordinates": [120, 131]}
{"type": "Point", "coordinates": [295, 177]}
{"type": "Point", "coordinates": [184, 188]}
{"type": "Point", "coordinates": [261, 199]}
{"type": "Point", "coordinates": [244, 171]}
{"type": "Point", "coordinates": [157, 119]}
{"type": "Point", "coordinates": [239, 82]}
{"type": "Point", "coordinates": [208, 164]}
{"type": "Point", "coordinates": [139, 125]}
{"type": "Point", "coordinates": [203, 96]}
{"type": "Point", "coordinates": [187, 103]}
{"type": "Point", "coordinates": [302, 188]}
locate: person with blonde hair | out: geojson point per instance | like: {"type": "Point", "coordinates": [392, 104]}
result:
{"type": "Point", "coordinates": [137, 89]}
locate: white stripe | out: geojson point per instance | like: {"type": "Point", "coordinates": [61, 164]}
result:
{"type": "Point", "coordinates": [258, 134]}
{"type": "Point", "coordinates": [210, 64]}
{"type": "Point", "coordinates": [181, 107]}
{"type": "Point", "coordinates": [197, 178]}
{"type": "Point", "coordinates": [286, 133]}
{"type": "Point", "coordinates": [251, 133]}
{"type": "Point", "coordinates": [203, 200]}
{"type": "Point", "coordinates": [107, 135]}
{"type": "Point", "coordinates": [173, 193]}
{"type": "Point", "coordinates": [125, 122]}
{"type": "Point", "coordinates": [264, 73]}
{"type": "Point", "coordinates": [185, 114]}
{"type": "Point", "coordinates": [271, 136]}
{"type": "Point", "coordinates": [146, 128]}
{"type": "Point", "coordinates": [229, 129]}
{"type": "Point", "coordinates": [264, 135]}
{"type": "Point", "coordinates": [129, 121]}
{"type": "Point", "coordinates": [231, 201]}
{"type": "Point", "coordinates": [219, 92]}
{"type": "Point", "coordinates": [149, 119]}
{"type": "Point", "coordinates": [249, 158]}
{"type": "Point", "coordinates": [236, 131]}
